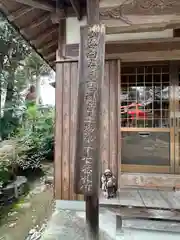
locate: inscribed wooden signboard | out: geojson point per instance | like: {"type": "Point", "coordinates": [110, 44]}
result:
{"type": "Point", "coordinates": [91, 69]}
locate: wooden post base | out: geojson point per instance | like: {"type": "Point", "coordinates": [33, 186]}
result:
{"type": "Point", "coordinates": [92, 217]}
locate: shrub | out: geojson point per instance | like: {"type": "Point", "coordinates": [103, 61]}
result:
{"type": "Point", "coordinates": [36, 138]}
{"type": "Point", "coordinates": [33, 143]}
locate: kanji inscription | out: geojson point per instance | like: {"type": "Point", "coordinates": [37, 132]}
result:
{"type": "Point", "coordinates": [90, 74]}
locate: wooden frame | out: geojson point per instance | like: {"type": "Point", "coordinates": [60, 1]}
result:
{"type": "Point", "coordinates": [151, 168]}
{"type": "Point", "coordinates": [134, 168]}
{"type": "Point", "coordinates": [145, 169]}
{"type": "Point", "coordinates": [147, 180]}
{"type": "Point", "coordinates": [127, 50]}
{"type": "Point", "coordinates": [175, 128]}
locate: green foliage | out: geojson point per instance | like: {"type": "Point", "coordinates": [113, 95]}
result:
{"type": "Point", "coordinates": [36, 138]}
{"type": "Point", "coordinates": [33, 131]}
{"type": "Point", "coordinates": [19, 67]}
{"type": "Point", "coordinates": [32, 144]}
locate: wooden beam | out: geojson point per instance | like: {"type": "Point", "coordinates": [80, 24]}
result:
{"type": "Point", "coordinates": [57, 16]}
{"type": "Point", "coordinates": [61, 40]}
{"type": "Point", "coordinates": [43, 5]}
{"type": "Point", "coordinates": [151, 181]}
{"type": "Point", "coordinates": [76, 6]}
{"type": "Point", "coordinates": [120, 47]}
{"type": "Point", "coordinates": [119, 134]}
{"type": "Point", "coordinates": [36, 22]}
{"type": "Point", "coordinates": [60, 13]}
{"type": "Point", "coordinates": [19, 13]}
{"type": "Point", "coordinates": [148, 27]}
{"type": "Point", "coordinates": [92, 105]}
{"type": "Point", "coordinates": [91, 73]}
{"type": "Point", "coordinates": [92, 11]}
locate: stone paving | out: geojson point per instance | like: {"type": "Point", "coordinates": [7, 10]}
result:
{"type": "Point", "coordinates": [69, 225]}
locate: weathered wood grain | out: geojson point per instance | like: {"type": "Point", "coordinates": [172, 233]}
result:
{"type": "Point", "coordinates": [118, 122]}
{"type": "Point", "coordinates": [73, 124]}
{"type": "Point", "coordinates": [152, 198]}
{"type": "Point", "coordinates": [130, 197]}
{"type": "Point", "coordinates": [66, 132]}
{"type": "Point", "coordinates": [123, 48]}
{"type": "Point", "coordinates": [172, 198]}
{"type": "Point", "coordinates": [58, 131]}
{"type": "Point", "coordinates": [105, 120]}
{"type": "Point", "coordinates": [113, 116]}
{"type": "Point", "coordinates": [91, 69]}
{"type": "Point", "coordinates": [66, 102]}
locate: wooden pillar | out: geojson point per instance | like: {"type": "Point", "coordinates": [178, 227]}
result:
{"type": "Point", "coordinates": [91, 73]}
{"type": "Point", "coordinates": [119, 136]}
{"type": "Point", "coordinates": [59, 111]}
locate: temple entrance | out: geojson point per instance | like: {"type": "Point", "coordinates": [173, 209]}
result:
{"type": "Point", "coordinates": [149, 119]}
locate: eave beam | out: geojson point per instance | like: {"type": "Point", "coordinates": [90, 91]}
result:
{"type": "Point", "coordinates": [37, 4]}
{"type": "Point", "coordinates": [76, 7]}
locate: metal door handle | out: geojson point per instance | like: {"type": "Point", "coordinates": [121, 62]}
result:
{"type": "Point", "coordinates": [176, 122]}
{"type": "Point", "coordinates": [144, 134]}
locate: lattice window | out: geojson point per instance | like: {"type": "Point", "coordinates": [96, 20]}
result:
{"type": "Point", "coordinates": [145, 96]}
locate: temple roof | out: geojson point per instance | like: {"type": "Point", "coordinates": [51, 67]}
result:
{"type": "Point", "coordinates": [33, 20]}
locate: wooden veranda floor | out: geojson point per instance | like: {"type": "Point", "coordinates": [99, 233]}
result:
{"type": "Point", "coordinates": [142, 203]}
{"type": "Point", "coordinates": [156, 199]}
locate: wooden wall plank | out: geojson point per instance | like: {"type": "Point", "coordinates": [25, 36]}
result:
{"type": "Point", "coordinates": [119, 121]}
{"type": "Point", "coordinates": [66, 124]}
{"type": "Point", "coordinates": [66, 133]}
{"type": "Point", "coordinates": [113, 116]}
{"type": "Point", "coordinates": [73, 121]}
{"type": "Point", "coordinates": [104, 140]}
{"type": "Point", "coordinates": [58, 131]}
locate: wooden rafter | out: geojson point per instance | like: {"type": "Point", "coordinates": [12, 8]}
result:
{"type": "Point", "coordinates": [42, 36]}
{"type": "Point", "coordinates": [36, 22]}
{"type": "Point", "coordinates": [76, 6]}
{"type": "Point", "coordinates": [19, 13]}
{"type": "Point", "coordinates": [43, 5]}
{"type": "Point", "coordinates": [50, 56]}
{"type": "Point", "coordinates": [47, 46]}
{"type": "Point", "coordinates": [6, 13]}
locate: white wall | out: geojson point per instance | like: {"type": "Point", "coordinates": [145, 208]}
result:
{"type": "Point", "coordinates": [73, 32]}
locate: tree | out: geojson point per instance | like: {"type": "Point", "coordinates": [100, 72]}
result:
{"type": "Point", "coordinates": [19, 67]}
{"type": "Point", "coordinates": [13, 49]}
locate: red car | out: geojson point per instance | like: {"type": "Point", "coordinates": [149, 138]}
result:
{"type": "Point", "coordinates": [134, 111]}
